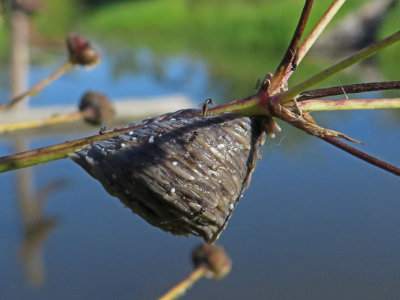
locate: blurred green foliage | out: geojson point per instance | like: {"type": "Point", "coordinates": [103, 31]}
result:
{"type": "Point", "coordinates": [240, 40]}
{"type": "Point", "coordinates": [56, 18]}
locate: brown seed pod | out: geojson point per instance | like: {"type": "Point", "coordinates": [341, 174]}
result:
{"type": "Point", "coordinates": [97, 108]}
{"type": "Point", "coordinates": [181, 174]}
{"type": "Point", "coordinates": [81, 52]}
{"type": "Point", "coordinates": [214, 259]}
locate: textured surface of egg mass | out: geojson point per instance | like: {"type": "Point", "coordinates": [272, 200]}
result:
{"type": "Point", "coordinates": [181, 174]}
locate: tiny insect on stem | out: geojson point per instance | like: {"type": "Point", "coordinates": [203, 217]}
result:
{"type": "Point", "coordinates": [206, 104]}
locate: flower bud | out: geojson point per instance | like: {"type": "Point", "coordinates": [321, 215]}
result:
{"type": "Point", "coordinates": [81, 52]}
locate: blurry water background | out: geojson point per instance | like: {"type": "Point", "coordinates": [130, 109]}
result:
{"type": "Point", "coordinates": [315, 223]}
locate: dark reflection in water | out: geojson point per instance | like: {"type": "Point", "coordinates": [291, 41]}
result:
{"type": "Point", "coordinates": [315, 222]}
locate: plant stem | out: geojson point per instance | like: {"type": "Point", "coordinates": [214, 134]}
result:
{"type": "Point", "coordinates": [37, 87]}
{"type": "Point", "coordinates": [362, 155]}
{"type": "Point", "coordinates": [56, 119]}
{"type": "Point", "coordinates": [349, 89]}
{"type": "Point", "coordinates": [345, 104]}
{"type": "Point", "coordinates": [54, 152]}
{"type": "Point", "coordinates": [286, 67]}
{"type": "Point", "coordinates": [318, 29]}
{"type": "Point", "coordinates": [184, 285]}
{"type": "Point", "coordinates": [363, 54]}
{"type": "Point", "coordinates": [248, 105]}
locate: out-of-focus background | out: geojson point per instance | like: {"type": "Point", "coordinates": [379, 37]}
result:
{"type": "Point", "coordinates": [315, 222]}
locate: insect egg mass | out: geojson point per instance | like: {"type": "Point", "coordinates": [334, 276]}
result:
{"type": "Point", "coordinates": [180, 172]}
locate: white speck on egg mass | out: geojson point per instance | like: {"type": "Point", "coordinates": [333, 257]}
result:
{"type": "Point", "coordinates": [173, 190]}
{"type": "Point", "coordinates": [221, 146]}
{"type": "Point", "coordinates": [134, 139]}
{"type": "Point", "coordinates": [231, 206]}
{"type": "Point", "coordinates": [174, 163]}
{"type": "Point", "coordinates": [130, 133]}
{"type": "Point", "coordinates": [123, 145]}
{"type": "Point", "coordinates": [151, 139]}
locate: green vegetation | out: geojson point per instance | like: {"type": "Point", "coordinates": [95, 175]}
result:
{"type": "Point", "coordinates": [240, 40]}
{"type": "Point", "coordinates": [56, 18]}
{"type": "Point", "coordinates": [389, 59]}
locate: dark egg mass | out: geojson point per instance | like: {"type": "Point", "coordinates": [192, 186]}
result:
{"type": "Point", "coordinates": [182, 174]}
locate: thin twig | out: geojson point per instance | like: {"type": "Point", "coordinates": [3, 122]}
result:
{"type": "Point", "coordinates": [56, 119]}
{"type": "Point", "coordinates": [330, 136]}
{"type": "Point", "coordinates": [318, 29]}
{"type": "Point", "coordinates": [363, 54]}
{"type": "Point", "coordinates": [37, 87]}
{"type": "Point", "coordinates": [286, 66]}
{"type": "Point", "coordinates": [61, 150]}
{"type": "Point", "coordinates": [349, 89]}
{"type": "Point", "coordinates": [362, 155]}
{"type": "Point", "coordinates": [185, 284]}
{"type": "Point", "coordinates": [345, 104]}
{"type": "Point", "coordinates": [53, 152]}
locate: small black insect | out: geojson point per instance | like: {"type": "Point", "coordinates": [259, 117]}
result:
{"type": "Point", "coordinates": [103, 128]}
{"type": "Point", "coordinates": [205, 105]}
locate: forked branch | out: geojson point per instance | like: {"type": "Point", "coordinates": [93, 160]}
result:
{"type": "Point", "coordinates": [318, 29]}
{"type": "Point", "coordinates": [353, 59]}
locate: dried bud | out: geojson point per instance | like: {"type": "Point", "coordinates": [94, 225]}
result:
{"type": "Point", "coordinates": [81, 52]}
{"type": "Point", "coordinates": [214, 259]}
{"type": "Point", "coordinates": [96, 107]}
{"type": "Point", "coordinates": [182, 174]}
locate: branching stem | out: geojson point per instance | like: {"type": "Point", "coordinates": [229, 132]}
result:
{"type": "Point", "coordinates": [318, 29]}
{"type": "Point", "coordinates": [363, 54]}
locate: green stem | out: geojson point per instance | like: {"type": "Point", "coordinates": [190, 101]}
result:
{"type": "Point", "coordinates": [37, 87]}
{"type": "Point", "coordinates": [56, 119]}
{"type": "Point", "coordinates": [54, 152]}
{"type": "Point", "coordinates": [363, 54]}
{"type": "Point", "coordinates": [345, 104]}
{"type": "Point", "coordinates": [247, 106]}
{"type": "Point", "coordinates": [184, 285]}
{"type": "Point", "coordinates": [318, 29]}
